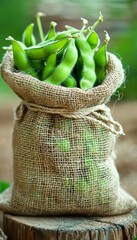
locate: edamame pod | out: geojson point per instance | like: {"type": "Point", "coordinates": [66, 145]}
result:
{"type": "Point", "coordinates": [77, 69]}
{"type": "Point", "coordinates": [37, 65]}
{"type": "Point", "coordinates": [101, 56]}
{"type": "Point", "coordinates": [70, 32]}
{"type": "Point", "coordinates": [42, 52]}
{"type": "Point", "coordinates": [101, 74]}
{"type": "Point", "coordinates": [70, 82]}
{"type": "Point", "coordinates": [28, 38]}
{"type": "Point", "coordinates": [60, 35]}
{"type": "Point", "coordinates": [20, 59]}
{"type": "Point", "coordinates": [45, 42]}
{"type": "Point", "coordinates": [64, 69]}
{"type": "Point", "coordinates": [52, 32]}
{"type": "Point", "coordinates": [71, 29]}
{"type": "Point", "coordinates": [101, 60]}
{"type": "Point", "coordinates": [10, 47]}
{"type": "Point", "coordinates": [88, 76]}
{"type": "Point", "coordinates": [93, 39]}
{"type": "Point", "coordinates": [75, 32]}
{"type": "Point", "coordinates": [49, 66]}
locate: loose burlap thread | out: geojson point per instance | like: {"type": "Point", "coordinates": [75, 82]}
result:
{"type": "Point", "coordinates": [64, 148]}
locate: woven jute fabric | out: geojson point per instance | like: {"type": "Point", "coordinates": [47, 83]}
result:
{"type": "Point", "coordinates": [64, 148]}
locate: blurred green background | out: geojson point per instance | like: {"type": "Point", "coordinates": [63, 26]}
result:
{"type": "Point", "coordinates": [119, 20]}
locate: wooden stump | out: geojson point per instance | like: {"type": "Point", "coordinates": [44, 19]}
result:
{"type": "Point", "coordinates": [123, 227]}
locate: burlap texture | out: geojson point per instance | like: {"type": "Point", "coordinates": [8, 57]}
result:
{"type": "Point", "coordinates": [63, 148]}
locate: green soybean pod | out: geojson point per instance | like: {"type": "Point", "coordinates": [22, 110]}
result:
{"type": "Point", "coordinates": [61, 52]}
{"type": "Point", "coordinates": [60, 35]}
{"type": "Point", "coordinates": [52, 32]}
{"type": "Point", "coordinates": [69, 82]}
{"type": "Point", "coordinates": [28, 38]}
{"type": "Point", "coordinates": [88, 75]}
{"type": "Point", "coordinates": [93, 39]}
{"type": "Point", "coordinates": [43, 51]}
{"type": "Point", "coordinates": [60, 55]}
{"type": "Point", "coordinates": [70, 32]}
{"type": "Point", "coordinates": [49, 66]}
{"type": "Point", "coordinates": [100, 56]}
{"type": "Point", "coordinates": [45, 42]}
{"type": "Point", "coordinates": [37, 65]}
{"type": "Point", "coordinates": [64, 69]}
{"type": "Point", "coordinates": [75, 32]}
{"type": "Point", "coordinates": [9, 48]}
{"type": "Point", "coordinates": [77, 70]}
{"type": "Point", "coordinates": [20, 58]}
{"type": "Point", "coordinates": [101, 74]}
{"type": "Point", "coordinates": [71, 29]}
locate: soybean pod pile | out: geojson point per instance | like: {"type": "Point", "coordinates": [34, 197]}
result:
{"type": "Point", "coordinates": [70, 58]}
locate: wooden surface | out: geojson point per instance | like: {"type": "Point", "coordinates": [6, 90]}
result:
{"type": "Point", "coordinates": [123, 227]}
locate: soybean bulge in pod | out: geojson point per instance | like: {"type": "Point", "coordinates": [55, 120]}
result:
{"type": "Point", "coordinates": [37, 65]}
{"type": "Point", "coordinates": [101, 74]}
{"type": "Point", "coordinates": [49, 66]}
{"type": "Point", "coordinates": [28, 38]}
{"type": "Point", "coordinates": [100, 56]}
{"type": "Point", "coordinates": [88, 75]}
{"type": "Point", "coordinates": [93, 39]}
{"type": "Point", "coordinates": [65, 67]}
{"type": "Point", "coordinates": [46, 49]}
{"type": "Point", "coordinates": [20, 59]}
{"type": "Point", "coordinates": [69, 82]}
{"type": "Point", "coordinates": [101, 60]}
{"type": "Point", "coordinates": [52, 31]}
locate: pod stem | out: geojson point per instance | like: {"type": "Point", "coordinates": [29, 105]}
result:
{"type": "Point", "coordinates": [100, 19]}
{"type": "Point", "coordinates": [40, 29]}
{"type": "Point", "coordinates": [9, 38]}
{"type": "Point", "coordinates": [107, 37]}
{"type": "Point", "coordinates": [84, 24]}
{"type": "Point", "coordinates": [70, 36]}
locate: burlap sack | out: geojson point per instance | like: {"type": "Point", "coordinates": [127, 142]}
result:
{"type": "Point", "coordinates": [63, 148]}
